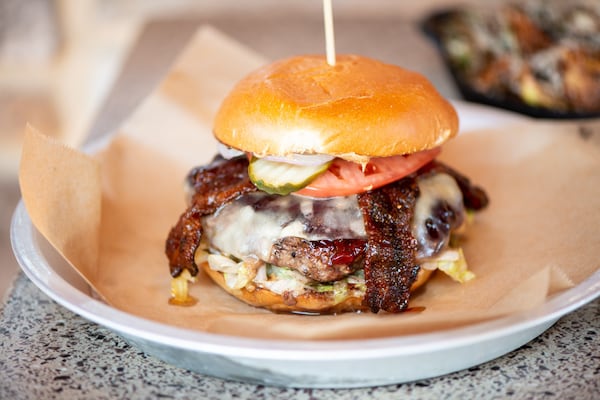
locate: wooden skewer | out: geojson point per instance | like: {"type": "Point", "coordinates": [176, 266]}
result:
{"type": "Point", "coordinates": [329, 37]}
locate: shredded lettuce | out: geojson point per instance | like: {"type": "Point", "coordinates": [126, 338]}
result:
{"type": "Point", "coordinates": [223, 264]}
{"type": "Point", "coordinates": [322, 287]}
{"type": "Point", "coordinates": [237, 274]}
{"type": "Point", "coordinates": [282, 279]}
{"type": "Point", "coordinates": [340, 291]}
{"type": "Point", "coordinates": [453, 263]}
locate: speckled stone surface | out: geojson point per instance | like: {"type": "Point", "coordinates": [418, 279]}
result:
{"type": "Point", "coordinates": [48, 352]}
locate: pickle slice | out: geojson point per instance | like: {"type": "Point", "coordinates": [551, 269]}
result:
{"type": "Point", "coordinates": [282, 178]}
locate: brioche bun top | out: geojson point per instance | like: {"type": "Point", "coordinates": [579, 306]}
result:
{"type": "Point", "coordinates": [357, 109]}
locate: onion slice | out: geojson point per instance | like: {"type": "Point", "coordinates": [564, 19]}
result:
{"type": "Point", "coordinates": [228, 152]}
{"type": "Point", "coordinates": [302, 159]}
{"type": "Point", "coordinates": [295, 159]}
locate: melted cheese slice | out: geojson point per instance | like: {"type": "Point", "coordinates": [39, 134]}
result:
{"type": "Point", "coordinates": [251, 224]}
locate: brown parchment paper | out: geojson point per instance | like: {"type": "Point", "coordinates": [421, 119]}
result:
{"type": "Point", "coordinates": [109, 214]}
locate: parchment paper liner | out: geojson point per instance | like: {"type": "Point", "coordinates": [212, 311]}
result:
{"type": "Point", "coordinates": [109, 213]}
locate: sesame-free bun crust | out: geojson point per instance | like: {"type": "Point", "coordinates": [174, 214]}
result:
{"type": "Point", "coordinates": [311, 302]}
{"type": "Point", "coordinates": [357, 109]}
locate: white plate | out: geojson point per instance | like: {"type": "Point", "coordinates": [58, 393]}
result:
{"type": "Point", "coordinates": [338, 364]}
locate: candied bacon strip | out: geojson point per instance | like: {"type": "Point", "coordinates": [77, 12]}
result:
{"type": "Point", "coordinates": [390, 265]}
{"type": "Point", "coordinates": [213, 185]}
{"type": "Point", "coordinates": [182, 242]}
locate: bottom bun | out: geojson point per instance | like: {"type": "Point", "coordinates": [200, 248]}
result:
{"type": "Point", "coordinates": [309, 302]}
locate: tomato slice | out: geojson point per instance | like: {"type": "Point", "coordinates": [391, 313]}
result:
{"type": "Point", "coordinates": [344, 178]}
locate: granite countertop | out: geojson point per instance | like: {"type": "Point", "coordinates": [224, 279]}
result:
{"type": "Point", "coordinates": [46, 351]}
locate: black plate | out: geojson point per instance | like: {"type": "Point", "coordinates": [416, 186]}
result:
{"type": "Point", "coordinates": [432, 25]}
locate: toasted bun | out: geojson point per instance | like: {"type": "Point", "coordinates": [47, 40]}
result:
{"type": "Point", "coordinates": [312, 302]}
{"type": "Point", "coordinates": [357, 109]}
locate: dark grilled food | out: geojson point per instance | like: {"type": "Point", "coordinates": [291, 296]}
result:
{"type": "Point", "coordinates": [538, 57]}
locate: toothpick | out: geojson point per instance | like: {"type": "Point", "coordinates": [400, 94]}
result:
{"type": "Point", "coordinates": [329, 37]}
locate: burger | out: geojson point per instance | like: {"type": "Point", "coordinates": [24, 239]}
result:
{"type": "Point", "coordinates": [326, 195]}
